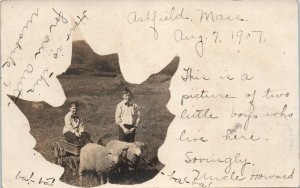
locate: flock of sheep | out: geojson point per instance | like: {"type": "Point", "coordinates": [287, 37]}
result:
{"type": "Point", "coordinates": [115, 157]}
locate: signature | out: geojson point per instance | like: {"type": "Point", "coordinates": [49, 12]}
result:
{"type": "Point", "coordinates": [29, 179]}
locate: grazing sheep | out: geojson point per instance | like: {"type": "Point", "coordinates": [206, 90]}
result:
{"type": "Point", "coordinates": [94, 157]}
{"type": "Point", "coordinates": [133, 153]}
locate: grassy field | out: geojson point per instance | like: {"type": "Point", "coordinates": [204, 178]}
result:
{"type": "Point", "coordinates": [98, 97]}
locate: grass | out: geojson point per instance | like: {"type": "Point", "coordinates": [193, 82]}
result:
{"type": "Point", "coordinates": [98, 97]}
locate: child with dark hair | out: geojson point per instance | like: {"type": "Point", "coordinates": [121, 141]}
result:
{"type": "Point", "coordinates": [74, 129]}
{"type": "Point", "coordinates": [127, 117]}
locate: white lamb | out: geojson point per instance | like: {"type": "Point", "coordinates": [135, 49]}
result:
{"type": "Point", "coordinates": [94, 157]}
{"type": "Point", "coordinates": [133, 153]}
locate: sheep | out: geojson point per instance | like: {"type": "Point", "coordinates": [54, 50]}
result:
{"type": "Point", "coordinates": [94, 157]}
{"type": "Point", "coordinates": [133, 153]}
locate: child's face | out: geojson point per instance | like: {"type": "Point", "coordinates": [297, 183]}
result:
{"type": "Point", "coordinates": [73, 110]}
{"type": "Point", "coordinates": [127, 97]}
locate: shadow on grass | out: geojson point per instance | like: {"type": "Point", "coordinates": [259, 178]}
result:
{"type": "Point", "coordinates": [133, 177]}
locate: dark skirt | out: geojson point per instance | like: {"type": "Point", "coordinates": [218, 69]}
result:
{"type": "Point", "coordinates": [83, 139]}
{"type": "Point", "coordinates": [126, 137]}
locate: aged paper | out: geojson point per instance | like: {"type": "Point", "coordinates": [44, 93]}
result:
{"type": "Point", "coordinates": [216, 84]}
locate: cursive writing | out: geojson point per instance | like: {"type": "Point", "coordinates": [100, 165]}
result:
{"type": "Point", "coordinates": [259, 176]}
{"type": "Point", "coordinates": [18, 90]}
{"type": "Point", "coordinates": [204, 94]}
{"type": "Point", "coordinates": [77, 23]}
{"type": "Point", "coordinates": [228, 161]}
{"type": "Point", "coordinates": [229, 136]}
{"type": "Point", "coordinates": [189, 76]}
{"type": "Point", "coordinates": [270, 94]}
{"type": "Point", "coordinates": [58, 19]}
{"type": "Point", "coordinates": [205, 176]}
{"type": "Point", "coordinates": [282, 113]}
{"type": "Point", "coordinates": [42, 78]}
{"type": "Point", "coordinates": [180, 36]}
{"type": "Point", "coordinates": [183, 137]}
{"type": "Point", "coordinates": [154, 16]}
{"type": "Point", "coordinates": [10, 59]}
{"type": "Point", "coordinates": [248, 115]}
{"type": "Point", "coordinates": [45, 41]}
{"type": "Point", "coordinates": [32, 179]}
{"type": "Point", "coordinates": [133, 18]}
{"type": "Point", "coordinates": [197, 114]}
{"type": "Point", "coordinates": [211, 16]}
{"type": "Point", "coordinates": [179, 180]}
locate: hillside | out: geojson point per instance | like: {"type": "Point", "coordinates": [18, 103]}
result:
{"type": "Point", "coordinates": [86, 61]}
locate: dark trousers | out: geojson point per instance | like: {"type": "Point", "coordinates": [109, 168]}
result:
{"type": "Point", "coordinates": [126, 137]}
{"type": "Point", "coordinates": [84, 138]}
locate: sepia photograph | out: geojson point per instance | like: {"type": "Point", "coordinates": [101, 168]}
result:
{"type": "Point", "coordinates": [108, 130]}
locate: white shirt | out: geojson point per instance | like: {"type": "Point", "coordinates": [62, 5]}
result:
{"type": "Point", "coordinates": [127, 114]}
{"type": "Point", "coordinates": [73, 124]}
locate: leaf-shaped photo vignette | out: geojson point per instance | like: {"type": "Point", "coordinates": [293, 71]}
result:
{"type": "Point", "coordinates": [96, 83]}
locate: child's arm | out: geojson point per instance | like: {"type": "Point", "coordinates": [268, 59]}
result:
{"type": "Point", "coordinates": [119, 119]}
{"type": "Point", "coordinates": [81, 127]}
{"type": "Point", "coordinates": [118, 115]}
{"type": "Point", "coordinates": [68, 125]}
{"type": "Point", "coordinates": [138, 119]}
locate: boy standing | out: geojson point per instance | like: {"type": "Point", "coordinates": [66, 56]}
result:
{"type": "Point", "coordinates": [127, 117]}
{"type": "Point", "coordinates": [73, 129]}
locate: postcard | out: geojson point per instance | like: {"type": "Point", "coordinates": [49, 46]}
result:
{"type": "Point", "coordinates": [149, 93]}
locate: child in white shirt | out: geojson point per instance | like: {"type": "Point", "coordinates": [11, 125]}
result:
{"type": "Point", "coordinates": [73, 129]}
{"type": "Point", "coordinates": [127, 117]}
